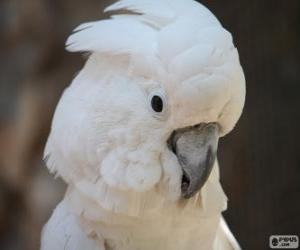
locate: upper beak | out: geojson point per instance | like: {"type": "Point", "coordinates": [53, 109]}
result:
{"type": "Point", "coordinates": [196, 149]}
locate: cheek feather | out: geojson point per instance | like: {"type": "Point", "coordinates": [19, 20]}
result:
{"type": "Point", "coordinates": [137, 170]}
{"type": "Point", "coordinates": [172, 173]}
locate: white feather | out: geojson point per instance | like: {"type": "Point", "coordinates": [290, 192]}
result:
{"type": "Point", "coordinates": [114, 36]}
{"type": "Point", "coordinates": [110, 147]}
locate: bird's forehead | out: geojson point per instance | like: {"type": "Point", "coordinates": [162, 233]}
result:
{"type": "Point", "coordinates": [201, 91]}
{"type": "Point", "coordinates": [192, 102]}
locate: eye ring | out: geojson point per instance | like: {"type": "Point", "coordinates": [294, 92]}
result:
{"type": "Point", "coordinates": [157, 103]}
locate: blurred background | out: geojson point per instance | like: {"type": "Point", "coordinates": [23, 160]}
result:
{"type": "Point", "coordinates": [260, 159]}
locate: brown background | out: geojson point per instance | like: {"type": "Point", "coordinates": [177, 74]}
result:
{"type": "Point", "coordinates": [260, 160]}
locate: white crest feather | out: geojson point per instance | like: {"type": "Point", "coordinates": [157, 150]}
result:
{"type": "Point", "coordinates": [114, 36]}
{"type": "Point", "coordinates": [133, 33]}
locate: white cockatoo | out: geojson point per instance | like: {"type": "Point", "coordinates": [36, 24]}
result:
{"type": "Point", "coordinates": [135, 135]}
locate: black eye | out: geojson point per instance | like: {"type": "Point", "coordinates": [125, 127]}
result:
{"type": "Point", "coordinates": [157, 103]}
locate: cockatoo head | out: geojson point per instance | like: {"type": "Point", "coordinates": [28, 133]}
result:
{"type": "Point", "coordinates": [161, 85]}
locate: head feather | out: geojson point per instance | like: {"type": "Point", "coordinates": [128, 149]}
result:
{"type": "Point", "coordinates": [145, 30]}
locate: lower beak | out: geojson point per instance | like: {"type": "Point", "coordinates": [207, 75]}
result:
{"type": "Point", "coordinates": [196, 149]}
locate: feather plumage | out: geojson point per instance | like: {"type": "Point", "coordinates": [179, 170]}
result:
{"type": "Point", "coordinates": [124, 182]}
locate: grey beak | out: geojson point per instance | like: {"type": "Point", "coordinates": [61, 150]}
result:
{"type": "Point", "coordinates": [196, 149]}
